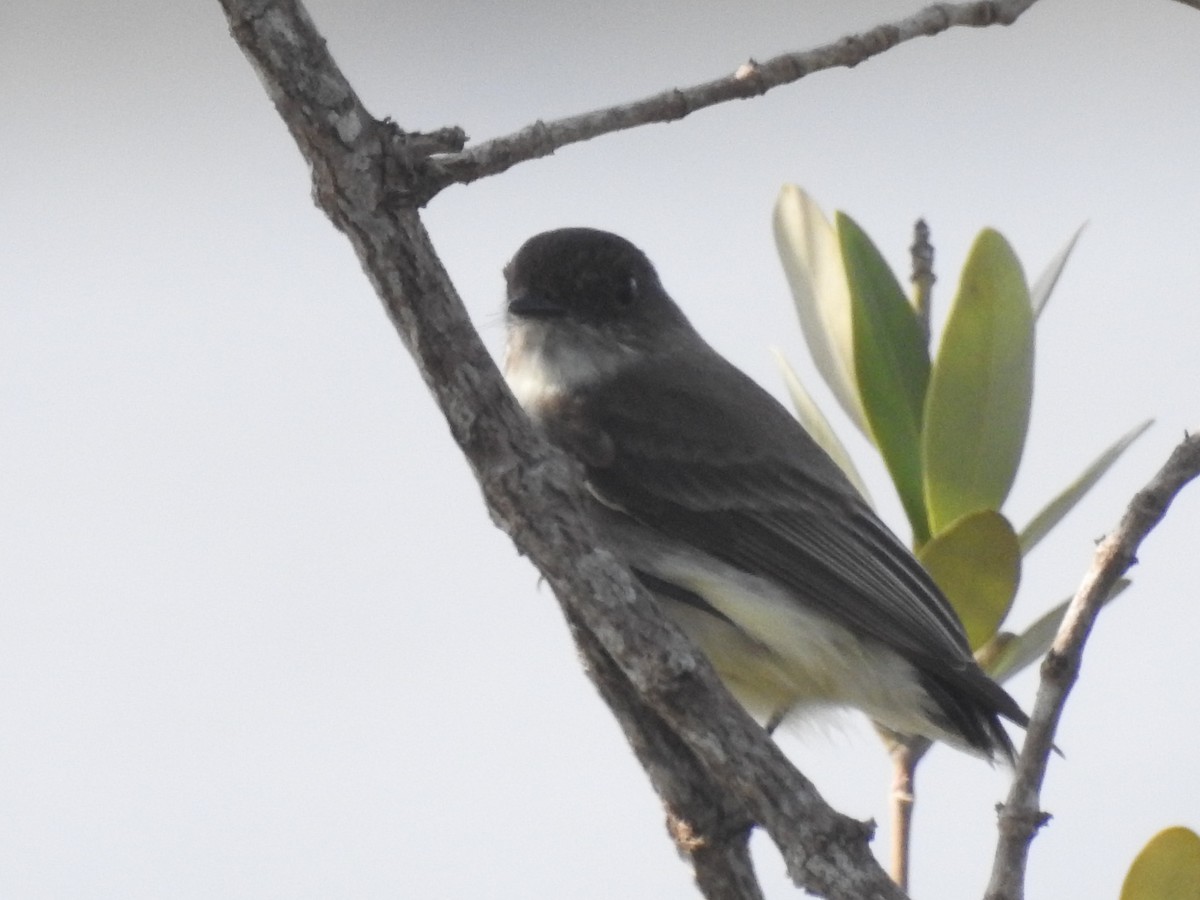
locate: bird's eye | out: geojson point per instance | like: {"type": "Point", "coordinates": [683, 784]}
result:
{"type": "Point", "coordinates": [627, 293]}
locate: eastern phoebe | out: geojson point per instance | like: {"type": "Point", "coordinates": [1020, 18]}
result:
{"type": "Point", "coordinates": [724, 508]}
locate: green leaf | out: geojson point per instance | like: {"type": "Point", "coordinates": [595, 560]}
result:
{"type": "Point", "coordinates": [812, 262]}
{"type": "Point", "coordinates": [891, 361]}
{"type": "Point", "coordinates": [817, 425]}
{"type": "Point", "coordinates": [1168, 868]}
{"type": "Point", "coordinates": [1040, 293]}
{"type": "Point", "coordinates": [1056, 509]}
{"type": "Point", "coordinates": [977, 564]}
{"type": "Point", "coordinates": [977, 410]}
{"type": "Point", "coordinates": [1016, 653]}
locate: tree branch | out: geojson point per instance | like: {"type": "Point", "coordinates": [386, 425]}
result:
{"type": "Point", "coordinates": [706, 828]}
{"type": "Point", "coordinates": [750, 80]}
{"type": "Point", "coordinates": [716, 770]}
{"type": "Point", "coordinates": [1020, 816]}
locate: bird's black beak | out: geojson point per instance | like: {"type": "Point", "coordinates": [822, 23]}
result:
{"type": "Point", "coordinates": [534, 306]}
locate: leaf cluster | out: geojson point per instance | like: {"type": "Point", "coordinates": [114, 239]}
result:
{"type": "Point", "coordinates": [950, 426]}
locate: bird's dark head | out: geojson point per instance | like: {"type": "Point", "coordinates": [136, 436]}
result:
{"type": "Point", "coordinates": [587, 277]}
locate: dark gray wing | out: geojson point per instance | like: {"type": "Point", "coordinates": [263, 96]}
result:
{"type": "Point", "coordinates": [731, 472]}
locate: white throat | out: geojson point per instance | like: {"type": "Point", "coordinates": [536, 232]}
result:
{"type": "Point", "coordinates": [545, 362]}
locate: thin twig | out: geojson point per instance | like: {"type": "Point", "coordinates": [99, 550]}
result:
{"type": "Point", "coordinates": [906, 752]}
{"type": "Point", "coordinates": [904, 772]}
{"type": "Point", "coordinates": [1020, 816]}
{"type": "Point", "coordinates": [922, 275]}
{"type": "Point", "coordinates": [749, 80]}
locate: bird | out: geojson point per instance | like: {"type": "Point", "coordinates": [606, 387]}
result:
{"type": "Point", "coordinates": [728, 513]}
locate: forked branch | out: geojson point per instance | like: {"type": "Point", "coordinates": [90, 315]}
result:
{"type": "Point", "coordinates": [716, 771]}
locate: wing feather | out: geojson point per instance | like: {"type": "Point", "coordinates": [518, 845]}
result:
{"type": "Point", "coordinates": [732, 473]}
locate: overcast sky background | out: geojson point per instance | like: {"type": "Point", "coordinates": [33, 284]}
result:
{"type": "Point", "coordinates": [258, 637]}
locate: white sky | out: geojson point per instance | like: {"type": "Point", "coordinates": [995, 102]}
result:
{"type": "Point", "coordinates": [258, 637]}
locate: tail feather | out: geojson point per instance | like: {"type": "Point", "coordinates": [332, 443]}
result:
{"type": "Point", "coordinates": [971, 708]}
